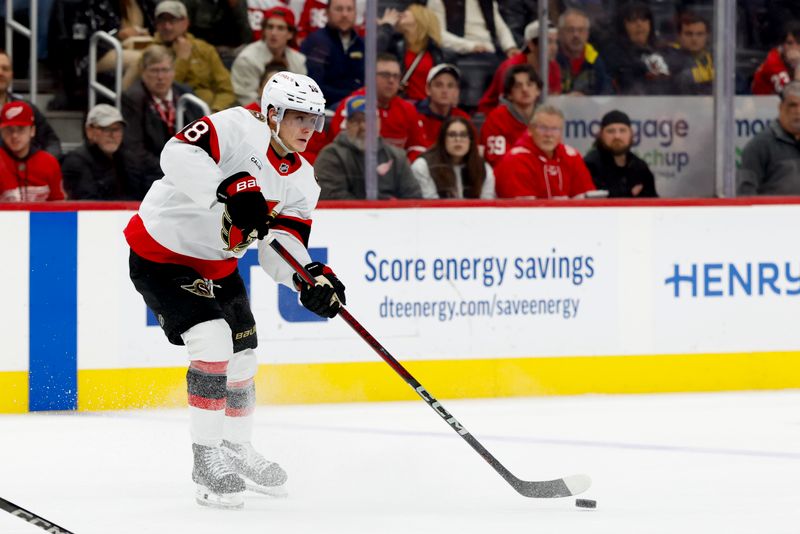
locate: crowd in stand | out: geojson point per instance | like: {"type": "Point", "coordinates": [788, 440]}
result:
{"type": "Point", "coordinates": [460, 108]}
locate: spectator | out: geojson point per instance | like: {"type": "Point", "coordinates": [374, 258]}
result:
{"type": "Point", "coordinates": [45, 137]}
{"type": "Point", "coordinates": [133, 26]}
{"type": "Point", "coordinates": [340, 165]}
{"type": "Point", "coordinates": [510, 119]}
{"type": "Point", "coordinates": [441, 104]}
{"type": "Point", "coordinates": [583, 71]}
{"type": "Point", "coordinates": [690, 62]}
{"type": "Point", "coordinates": [473, 27]}
{"type": "Point", "coordinates": [613, 166]}
{"type": "Point", "coordinates": [782, 64]}
{"type": "Point", "coordinates": [99, 169]}
{"type": "Point", "coordinates": [335, 53]}
{"type": "Point", "coordinates": [417, 46]}
{"type": "Point", "coordinates": [149, 108]}
{"type": "Point", "coordinates": [197, 63]}
{"type": "Point", "coordinates": [223, 23]}
{"type": "Point", "coordinates": [257, 11]}
{"type": "Point", "coordinates": [453, 168]}
{"type": "Point", "coordinates": [314, 16]}
{"type": "Point", "coordinates": [276, 45]}
{"type": "Point", "coordinates": [635, 62]}
{"type": "Point", "coordinates": [540, 165]}
{"type": "Point", "coordinates": [516, 13]}
{"type": "Point", "coordinates": [269, 69]}
{"type": "Point", "coordinates": [530, 56]}
{"type": "Point", "coordinates": [30, 174]}
{"type": "Point", "coordinates": [771, 159]}
{"type": "Point", "coordinates": [400, 125]}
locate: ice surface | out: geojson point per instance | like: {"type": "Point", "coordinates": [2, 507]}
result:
{"type": "Point", "coordinates": [700, 463]}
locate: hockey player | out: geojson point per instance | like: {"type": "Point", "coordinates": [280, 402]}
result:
{"type": "Point", "coordinates": [230, 178]}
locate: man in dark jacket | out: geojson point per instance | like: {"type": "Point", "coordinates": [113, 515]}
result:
{"type": "Point", "coordinates": [149, 107]}
{"type": "Point", "coordinates": [335, 53]}
{"type": "Point", "coordinates": [100, 169]}
{"type": "Point", "coordinates": [340, 165]}
{"type": "Point", "coordinates": [771, 159]}
{"type": "Point", "coordinates": [612, 164]}
{"type": "Point", "coordinates": [583, 71]}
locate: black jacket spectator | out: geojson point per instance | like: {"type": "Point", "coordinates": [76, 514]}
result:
{"type": "Point", "coordinates": [637, 65]}
{"type": "Point", "coordinates": [517, 14]}
{"type": "Point", "coordinates": [72, 24]}
{"type": "Point", "coordinates": [146, 133]}
{"type": "Point", "coordinates": [338, 72]}
{"type": "Point", "coordinates": [91, 175]}
{"type": "Point", "coordinates": [619, 181]}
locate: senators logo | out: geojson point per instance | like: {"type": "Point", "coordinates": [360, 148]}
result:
{"type": "Point", "coordinates": [233, 238]}
{"type": "Point", "coordinates": [258, 115]}
{"type": "Point", "coordinates": [201, 288]}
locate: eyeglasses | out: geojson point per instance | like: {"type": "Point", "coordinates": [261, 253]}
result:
{"type": "Point", "coordinates": [458, 135]}
{"type": "Point", "coordinates": [155, 71]}
{"type": "Point", "coordinates": [389, 75]}
{"type": "Point", "coordinates": [541, 128]}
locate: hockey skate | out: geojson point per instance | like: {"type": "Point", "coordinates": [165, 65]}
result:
{"type": "Point", "coordinates": [261, 475]}
{"type": "Point", "coordinates": [218, 485]}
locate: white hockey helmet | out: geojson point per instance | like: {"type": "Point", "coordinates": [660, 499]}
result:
{"type": "Point", "coordinates": [287, 90]}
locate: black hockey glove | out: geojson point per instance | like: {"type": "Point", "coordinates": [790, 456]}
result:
{"type": "Point", "coordinates": [246, 206]}
{"type": "Point", "coordinates": [326, 296]}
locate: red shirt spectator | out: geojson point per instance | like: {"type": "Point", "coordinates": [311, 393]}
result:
{"type": "Point", "coordinates": [257, 9]}
{"type": "Point", "coordinates": [530, 55]}
{"type": "Point", "coordinates": [400, 125]}
{"type": "Point", "coordinates": [540, 165]}
{"type": "Point", "coordinates": [443, 93]}
{"type": "Point", "coordinates": [781, 66]}
{"type": "Point", "coordinates": [26, 174]}
{"type": "Point", "coordinates": [508, 121]}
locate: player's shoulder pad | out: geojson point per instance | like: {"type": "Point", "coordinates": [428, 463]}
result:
{"type": "Point", "coordinates": [258, 115]}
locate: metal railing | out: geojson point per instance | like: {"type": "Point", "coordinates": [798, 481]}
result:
{"type": "Point", "coordinates": [94, 85]}
{"type": "Point", "coordinates": [31, 33]}
{"type": "Point", "coordinates": [184, 101]}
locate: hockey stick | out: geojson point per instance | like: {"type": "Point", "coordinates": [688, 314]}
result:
{"type": "Point", "coordinates": [32, 518]}
{"type": "Point", "coordinates": [560, 487]}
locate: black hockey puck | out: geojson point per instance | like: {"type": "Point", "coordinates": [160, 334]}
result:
{"type": "Point", "coordinates": [585, 503]}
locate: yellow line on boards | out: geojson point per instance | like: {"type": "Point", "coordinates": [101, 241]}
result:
{"type": "Point", "coordinates": [508, 377]}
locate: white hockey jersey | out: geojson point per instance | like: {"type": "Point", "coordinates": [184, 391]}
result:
{"type": "Point", "coordinates": [181, 220]}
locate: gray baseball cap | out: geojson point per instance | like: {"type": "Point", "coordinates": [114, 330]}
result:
{"type": "Point", "coordinates": [103, 115]}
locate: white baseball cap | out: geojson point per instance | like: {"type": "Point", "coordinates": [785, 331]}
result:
{"type": "Point", "coordinates": [103, 115]}
{"type": "Point", "coordinates": [532, 30]}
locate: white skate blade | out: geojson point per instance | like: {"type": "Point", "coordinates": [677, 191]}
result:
{"type": "Point", "coordinates": [226, 501]}
{"type": "Point", "coordinates": [278, 492]}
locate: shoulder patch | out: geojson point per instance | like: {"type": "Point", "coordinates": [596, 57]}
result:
{"type": "Point", "coordinates": [519, 150]}
{"type": "Point", "coordinates": [258, 115]}
{"type": "Point", "coordinates": [571, 152]}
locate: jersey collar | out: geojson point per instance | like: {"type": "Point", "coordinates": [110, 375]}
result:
{"type": "Point", "coordinates": [284, 166]}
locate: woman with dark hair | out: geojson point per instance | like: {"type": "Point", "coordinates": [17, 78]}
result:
{"type": "Point", "coordinates": [635, 62]}
{"type": "Point", "coordinates": [453, 168]}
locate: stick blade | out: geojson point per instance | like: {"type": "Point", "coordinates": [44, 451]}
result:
{"type": "Point", "coordinates": [551, 489]}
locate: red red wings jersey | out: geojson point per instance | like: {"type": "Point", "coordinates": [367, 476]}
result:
{"type": "Point", "coordinates": [499, 133]}
{"type": "Point", "coordinates": [772, 75]}
{"type": "Point", "coordinates": [33, 179]}
{"type": "Point", "coordinates": [400, 125]}
{"type": "Point", "coordinates": [181, 220]}
{"type": "Point", "coordinates": [255, 13]}
{"type": "Point", "coordinates": [527, 172]}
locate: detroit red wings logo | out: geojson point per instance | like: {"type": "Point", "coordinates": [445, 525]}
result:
{"type": "Point", "coordinates": [232, 236]}
{"type": "Point", "coordinates": [201, 288]}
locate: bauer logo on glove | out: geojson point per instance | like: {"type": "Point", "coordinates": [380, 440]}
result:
{"type": "Point", "coordinates": [326, 296]}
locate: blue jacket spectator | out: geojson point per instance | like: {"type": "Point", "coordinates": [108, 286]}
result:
{"type": "Point", "coordinates": [335, 53]}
